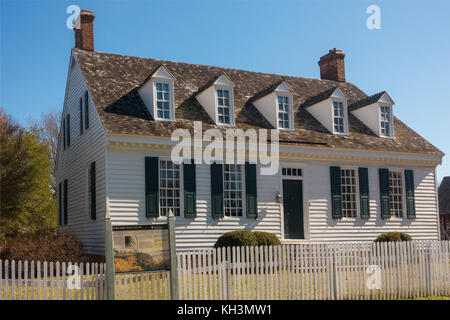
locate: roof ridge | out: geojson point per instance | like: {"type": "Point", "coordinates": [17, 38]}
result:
{"type": "Point", "coordinates": [211, 66]}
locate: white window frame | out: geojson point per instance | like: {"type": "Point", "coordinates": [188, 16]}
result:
{"type": "Point", "coordinates": [171, 99]}
{"type": "Point", "coordinates": [345, 118]}
{"type": "Point", "coordinates": [181, 189]}
{"type": "Point", "coordinates": [289, 174]}
{"type": "Point", "coordinates": [403, 194]}
{"type": "Point", "coordinates": [223, 106]}
{"type": "Point", "coordinates": [231, 107]}
{"type": "Point", "coordinates": [290, 113]}
{"type": "Point", "coordinates": [244, 204]}
{"type": "Point", "coordinates": [391, 122]}
{"type": "Point", "coordinates": [357, 198]}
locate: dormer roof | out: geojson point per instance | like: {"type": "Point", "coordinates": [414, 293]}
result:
{"type": "Point", "coordinates": [378, 97]}
{"type": "Point", "coordinates": [220, 79]}
{"type": "Point", "coordinates": [279, 86]}
{"type": "Point", "coordinates": [334, 91]}
{"type": "Point", "coordinates": [161, 72]}
{"type": "Point", "coordinates": [112, 80]}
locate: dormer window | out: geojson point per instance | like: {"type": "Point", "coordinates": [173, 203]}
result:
{"type": "Point", "coordinates": [162, 101]}
{"type": "Point", "coordinates": [330, 109]}
{"type": "Point", "coordinates": [217, 100]}
{"type": "Point", "coordinates": [283, 112]}
{"type": "Point", "coordinates": [275, 104]}
{"type": "Point", "coordinates": [386, 121]}
{"type": "Point", "coordinates": [223, 102]}
{"type": "Point", "coordinates": [157, 95]}
{"type": "Point", "coordinates": [338, 117]}
{"type": "Point", "coordinates": [376, 113]}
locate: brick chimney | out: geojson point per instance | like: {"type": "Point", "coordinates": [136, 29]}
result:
{"type": "Point", "coordinates": [84, 30]}
{"type": "Point", "coordinates": [332, 66]}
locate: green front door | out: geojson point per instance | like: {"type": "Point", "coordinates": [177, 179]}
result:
{"type": "Point", "coordinates": [293, 209]}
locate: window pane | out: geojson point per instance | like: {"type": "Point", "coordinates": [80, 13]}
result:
{"type": "Point", "coordinates": [385, 121]}
{"type": "Point", "coordinates": [224, 109]}
{"type": "Point", "coordinates": [162, 100]}
{"type": "Point", "coordinates": [169, 191]}
{"type": "Point", "coordinates": [233, 190]}
{"type": "Point", "coordinates": [396, 193]}
{"type": "Point", "coordinates": [283, 112]}
{"type": "Point", "coordinates": [348, 191]}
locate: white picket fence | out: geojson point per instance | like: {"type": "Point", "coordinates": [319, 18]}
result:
{"type": "Point", "coordinates": [49, 281]}
{"type": "Point", "coordinates": [351, 270]}
{"type": "Point", "coordinates": [142, 286]}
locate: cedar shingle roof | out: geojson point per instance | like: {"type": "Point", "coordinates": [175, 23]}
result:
{"type": "Point", "coordinates": [444, 196]}
{"type": "Point", "coordinates": [113, 81]}
{"type": "Point", "coordinates": [320, 97]}
{"type": "Point", "coordinates": [365, 102]}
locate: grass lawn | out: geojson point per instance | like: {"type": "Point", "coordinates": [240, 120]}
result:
{"type": "Point", "coordinates": [430, 298]}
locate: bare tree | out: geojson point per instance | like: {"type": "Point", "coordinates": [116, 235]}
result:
{"type": "Point", "coordinates": [47, 130]}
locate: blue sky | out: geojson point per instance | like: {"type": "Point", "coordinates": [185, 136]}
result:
{"type": "Point", "coordinates": [409, 56]}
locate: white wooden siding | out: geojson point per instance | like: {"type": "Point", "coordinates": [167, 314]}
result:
{"type": "Point", "coordinates": [127, 203]}
{"type": "Point", "coordinates": [323, 227]}
{"type": "Point", "coordinates": [127, 206]}
{"type": "Point", "coordinates": [72, 164]}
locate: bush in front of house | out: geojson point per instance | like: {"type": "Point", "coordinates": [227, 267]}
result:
{"type": "Point", "coordinates": [241, 238]}
{"type": "Point", "coordinates": [393, 237]}
{"type": "Point", "coordinates": [244, 238]}
{"type": "Point", "coordinates": [266, 239]}
{"type": "Point", "coordinates": [43, 247]}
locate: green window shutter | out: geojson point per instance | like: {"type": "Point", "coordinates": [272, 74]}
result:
{"type": "Point", "coordinates": [65, 199]}
{"type": "Point", "coordinates": [250, 190]}
{"type": "Point", "coordinates": [409, 186]}
{"type": "Point", "coordinates": [384, 193]}
{"type": "Point", "coordinates": [86, 110]}
{"type": "Point", "coordinates": [336, 197]}
{"type": "Point", "coordinates": [217, 190]}
{"type": "Point", "coordinates": [189, 190]}
{"type": "Point", "coordinates": [60, 208]}
{"type": "Point", "coordinates": [64, 134]}
{"type": "Point", "coordinates": [81, 116]}
{"type": "Point", "coordinates": [364, 192]}
{"type": "Point", "coordinates": [93, 195]}
{"type": "Point", "coordinates": [68, 130]}
{"type": "Point", "coordinates": [151, 187]}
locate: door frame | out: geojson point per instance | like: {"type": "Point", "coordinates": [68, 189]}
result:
{"type": "Point", "coordinates": [304, 201]}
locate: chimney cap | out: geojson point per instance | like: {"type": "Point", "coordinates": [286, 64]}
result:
{"type": "Point", "coordinates": [332, 53]}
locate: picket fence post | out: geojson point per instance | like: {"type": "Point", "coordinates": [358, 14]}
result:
{"type": "Point", "coordinates": [334, 281]}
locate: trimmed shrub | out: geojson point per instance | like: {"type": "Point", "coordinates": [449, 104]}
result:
{"type": "Point", "coordinates": [236, 239]}
{"type": "Point", "coordinates": [247, 239]}
{"type": "Point", "coordinates": [393, 236]}
{"type": "Point", "coordinates": [63, 248]}
{"type": "Point", "coordinates": [266, 239]}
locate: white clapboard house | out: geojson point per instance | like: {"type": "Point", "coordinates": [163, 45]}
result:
{"type": "Point", "coordinates": [349, 169]}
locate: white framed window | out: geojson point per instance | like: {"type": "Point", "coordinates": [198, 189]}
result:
{"type": "Point", "coordinates": [338, 117]}
{"type": "Point", "coordinates": [169, 188]}
{"type": "Point", "coordinates": [349, 193]}
{"type": "Point", "coordinates": [233, 190]}
{"type": "Point", "coordinates": [224, 107]}
{"type": "Point", "coordinates": [386, 121]}
{"type": "Point", "coordinates": [396, 193]}
{"type": "Point", "coordinates": [284, 112]}
{"type": "Point", "coordinates": [292, 172]}
{"type": "Point", "coordinates": [162, 100]}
